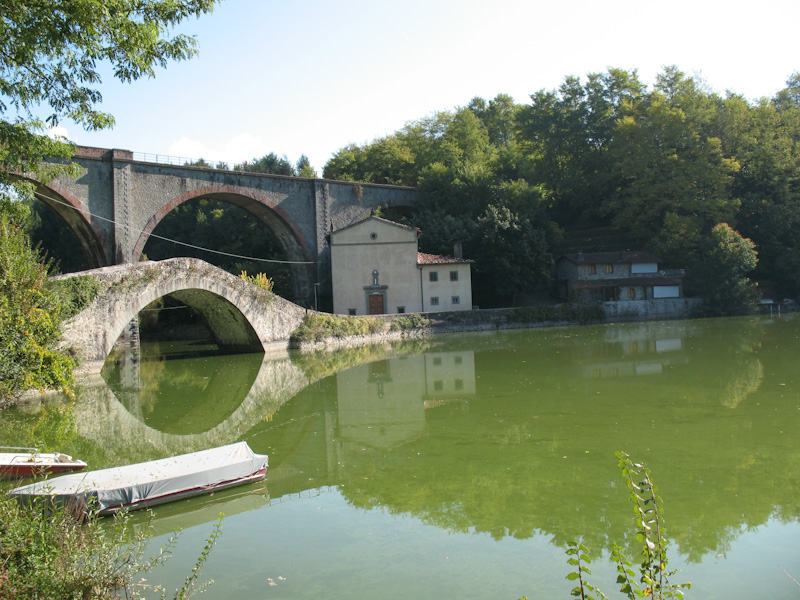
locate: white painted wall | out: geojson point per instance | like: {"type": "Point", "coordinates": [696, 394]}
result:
{"type": "Point", "coordinates": [444, 289]}
{"type": "Point", "coordinates": [375, 244]}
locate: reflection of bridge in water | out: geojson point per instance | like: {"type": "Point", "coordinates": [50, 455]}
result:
{"type": "Point", "coordinates": [399, 389]}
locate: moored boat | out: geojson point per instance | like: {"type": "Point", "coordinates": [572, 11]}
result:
{"type": "Point", "coordinates": [142, 485]}
{"type": "Point", "coordinates": [26, 462]}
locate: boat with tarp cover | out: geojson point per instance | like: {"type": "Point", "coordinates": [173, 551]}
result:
{"type": "Point", "coordinates": [150, 483]}
{"type": "Point", "coordinates": [27, 462]}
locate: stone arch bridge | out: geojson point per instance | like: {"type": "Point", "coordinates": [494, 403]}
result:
{"type": "Point", "coordinates": [114, 206]}
{"type": "Point", "coordinates": [240, 316]}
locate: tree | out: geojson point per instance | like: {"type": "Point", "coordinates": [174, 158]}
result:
{"type": "Point", "coordinates": [720, 274]}
{"type": "Point", "coordinates": [270, 164]}
{"type": "Point", "coordinates": [304, 168]}
{"type": "Point", "coordinates": [50, 57]}
{"type": "Point", "coordinates": [29, 314]}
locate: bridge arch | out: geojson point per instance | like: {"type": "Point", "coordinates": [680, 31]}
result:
{"type": "Point", "coordinates": [240, 316]}
{"type": "Point", "coordinates": [293, 242]}
{"type": "Point", "coordinates": [87, 229]}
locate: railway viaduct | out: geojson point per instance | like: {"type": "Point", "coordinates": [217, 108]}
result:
{"type": "Point", "coordinates": [117, 202]}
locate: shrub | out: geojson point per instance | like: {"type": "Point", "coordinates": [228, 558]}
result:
{"type": "Point", "coordinates": [259, 279]}
{"type": "Point", "coordinates": [52, 554]}
{"type": "Point", "coordinates": [318, 326]}
{"type": "Point", "coordinates": [412, 321]}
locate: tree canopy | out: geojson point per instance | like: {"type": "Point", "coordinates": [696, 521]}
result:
{"type": "Point", "coordinates": [661, 165]}
{"type": "Point", "coordinates": [51, 57]}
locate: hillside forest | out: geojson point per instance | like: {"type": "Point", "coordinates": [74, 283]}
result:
{"type": "Point", "coordinates": [601, 163]}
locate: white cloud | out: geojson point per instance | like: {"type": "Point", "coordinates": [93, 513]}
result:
{"type": "Point", "coordinates": [58, 131]}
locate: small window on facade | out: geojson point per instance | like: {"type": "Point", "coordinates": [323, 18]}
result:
{"type": "Point", "coordinates": [455, 300]}
{"type": "Point", "coordinates": [592, 269]}
{"type": "Point", "coordinates": [631, 293]}
{"type": "Point", "coordinates": [434, 300]}
{"type": "Point", "coordinates": [459, 384]}
{"type": "Point", "coordinates": [458, 359]}
{"type": "Point", "coordinates": [401, 310]}
{"type": "Point", "coordinates": [609, 268]}
{"type": "Point", "coordinates": [433, 276]}
{"type": "Point", "coordinates": [351, 312]}
{"type": "Point", "coordinates": [453, 275]}
{"type": "Point", "coordinates": [437, 360]}
{"type": "Point", "coordinates": [438, 385]}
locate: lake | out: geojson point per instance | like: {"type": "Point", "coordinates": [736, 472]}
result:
{"type": "Point", "coordinates": [461, 466]}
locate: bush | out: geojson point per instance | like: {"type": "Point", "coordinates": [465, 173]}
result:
{"type": "Point", "coordinates": [259, 279]}
{"type": "Point", "coordinates": [412, 321]}
{"type": "Point", "coordinates": [30, 314]}
{"type": "Point", "coordinates": [52, 554]}
{"type": "Point", "coordinates": [75, 293]}
{"type": "Point", "coordinates": [318, 326]}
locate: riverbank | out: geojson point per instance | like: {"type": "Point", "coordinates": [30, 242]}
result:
{"type": "Point", "coordinates": [389, 328]}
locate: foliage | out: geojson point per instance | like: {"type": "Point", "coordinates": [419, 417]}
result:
{"type": "Point", "coordinates": [662, 166]}
{"type": "Point", "coordinates": [50, 56]}
{"type": "Point", "coordinates": [270, 164]}
{"type": "Point", "coordinates": [259, 279]}
{"type": "Point", "coordinates": [30, 314]}
{"type": "Point", "coordinates": [318, 326]}
{"type": "Point", "coordinates": [75, 293]}
{"type": "Point", "coordinates": [50, 553]}
{"type": "Point", "coordinates": [653, 579]}
{"type": "Point", "coordinates": [412, 321]}
{"type": "Point", "coordinates": [720, 275]}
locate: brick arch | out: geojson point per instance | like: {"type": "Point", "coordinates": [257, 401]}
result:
{"type": "Point", "coordinates": [292, 240]}
{"type": "Point", "coordinates": [86, 228]}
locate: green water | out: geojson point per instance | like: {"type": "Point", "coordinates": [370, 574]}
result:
{"type": "Point", "coordinates": [461, 466]}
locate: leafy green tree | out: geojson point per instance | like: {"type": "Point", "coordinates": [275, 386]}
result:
{"type": "Point", "coordinates": [50, 57]}
{"type": "Point", "coordinates": [270, 164]}
{"type": "Point", "coordinates": [720, 274]}
{"type": "Point", "coordinates": [674, 180]}
{"type": "Point", "coordinates": [512, 255]}
{"type": "Point", "coordinates": [29, 314]}
{"type": "Point", "coordinates": [304, 168]}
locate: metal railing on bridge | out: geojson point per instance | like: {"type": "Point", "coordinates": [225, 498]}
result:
{"type": "Point", "coordinates": [181, 161]}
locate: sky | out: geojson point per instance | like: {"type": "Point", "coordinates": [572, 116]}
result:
{"type": "Point", "coordinates": [311, 76]}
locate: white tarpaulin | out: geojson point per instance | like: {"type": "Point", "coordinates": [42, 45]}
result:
{"type": "Point", "coordinates": [154, 482]}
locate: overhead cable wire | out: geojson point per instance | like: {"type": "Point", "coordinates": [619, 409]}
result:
{"type": "Point", "coordinates": [140, 231]}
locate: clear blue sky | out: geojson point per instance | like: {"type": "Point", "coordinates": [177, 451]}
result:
{"type": "Point", "coordinates": [310, 76]}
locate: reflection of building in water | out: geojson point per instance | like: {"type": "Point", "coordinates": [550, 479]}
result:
{"type": "Point", "coordinates": [643, 349]}
{"type": "Point", "coordinates": [383, 403]}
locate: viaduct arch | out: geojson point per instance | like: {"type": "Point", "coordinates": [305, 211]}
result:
{"type": "Point", "coordinates": [240, 316]}
{"type": "Point", "coordinates": [127, 198]}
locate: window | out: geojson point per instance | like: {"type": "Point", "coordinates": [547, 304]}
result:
{"type": "Point", "coordinates": [459, 384]}
{"type": "Point", "coordinates": [433, 276]}
{"type": "Point", "coordinates": [434, 300]}
{"type": "Point", "coordinates": [631, 293]}
{"type": "Point", "coordinates": [592, 269]}
{"type": "Point", "coordinates": [351, 312]}
{"type": "Point", "coordinates": [401, 310]}
{"type": "Point", "coordinates": [453, 275]}
{"type": "Point", "coordinates": [609, 268]}
{"type": "Point", "coordinates": [455, 300]}
{"type": "Point", "coordinates": [458, 359]}
{"type": "Point", "coordinates": [437, 360]}
{"type": "Point", "coordinates": [438, 385]}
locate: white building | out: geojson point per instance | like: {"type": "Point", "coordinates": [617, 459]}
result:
{"type": "Point", "coordinates": [376, 268]}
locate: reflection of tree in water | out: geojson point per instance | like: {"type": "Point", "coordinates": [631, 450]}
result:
{"type": "Point", "coordinates": [530, 468]}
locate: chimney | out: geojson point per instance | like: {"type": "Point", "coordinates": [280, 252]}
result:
{"type": "Point", "coordinates": [458, 251]}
